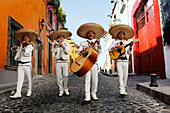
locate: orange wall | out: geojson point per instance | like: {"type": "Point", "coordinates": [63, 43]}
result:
{"type": "Point", "coordinates": [27, 13]}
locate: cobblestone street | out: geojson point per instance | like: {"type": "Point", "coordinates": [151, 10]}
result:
{"type": "Point", "coordinates": [45, 98]}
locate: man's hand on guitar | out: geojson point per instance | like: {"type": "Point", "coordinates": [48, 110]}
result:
{"type": "Point", "coordinates": [118, 47]}
{"type": "Point", "coordinates": [98, 41]}
{"type": "Point", "coordinates": [131, 44]}
{"type": "Point", "coordinates": [84, 49]}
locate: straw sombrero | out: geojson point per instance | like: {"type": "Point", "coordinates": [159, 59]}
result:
{"type": "Point", "coordinates": [25, 32]}
{"type": "Point", "coordinates": [63, 32]}
{"type": "Point", "coordinates": [114, 30]}
{"type": "Point", "coordinates": [85, 28]}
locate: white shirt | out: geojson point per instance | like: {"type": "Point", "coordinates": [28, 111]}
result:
{"type": "Point", "coordinates": [24, 54]}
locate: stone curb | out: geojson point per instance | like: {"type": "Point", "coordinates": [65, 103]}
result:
{"type": "Point", "coordinates": [115, 74]}
{"type": "Point", "coordinates": [155, 92]}
{"type": "Point", "coordinates": [12, 86]}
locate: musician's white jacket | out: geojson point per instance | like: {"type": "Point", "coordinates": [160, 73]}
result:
{"type": "Point", "coordinates": [122, 63]}
{"type": "Point", "coordinates": [92, 73]}
{"type": "Point", "coordinates": [61, 52]}
{"type": "Point", "coordinates": [61, 56]}
{"type": "Point", "coordinates": [24, 56]}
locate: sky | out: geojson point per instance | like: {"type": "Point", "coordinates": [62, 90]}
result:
{"type": "Point", "coordinates": [84, 11]}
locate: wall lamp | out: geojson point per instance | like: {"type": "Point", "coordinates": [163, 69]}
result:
{"type": "Point", "coordinates": [42, 23]}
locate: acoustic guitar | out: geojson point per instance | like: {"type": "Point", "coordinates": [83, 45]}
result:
{"type": "Point", "coordinates": [116, 53]}
{"type": "Point", "coordinates": [85, 61]}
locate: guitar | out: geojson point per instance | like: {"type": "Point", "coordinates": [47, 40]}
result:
{"type": "Point", "coordinates": [116, 53]}
{"type": "Point", "coordinates": [85, 61]}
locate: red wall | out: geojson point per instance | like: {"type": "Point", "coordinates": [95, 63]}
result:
{"type": "Point", "coordinates": [150, 38]}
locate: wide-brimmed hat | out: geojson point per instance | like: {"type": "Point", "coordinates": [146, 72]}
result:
{"type": "Point", "coordinates": [63, 32]}
{"type": "Point", "coordinates": [25, 32]}
{"type": "Point", "coordinates": [114, 30]}
{"type": "Point", "coordinates": [85, 28]}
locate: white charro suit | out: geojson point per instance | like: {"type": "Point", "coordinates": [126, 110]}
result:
{"type": "Point", "coordinates": [92, 73]}
{"type": "Point", "coordinates": [23, 56]}
{"type": "Point", "coordinates": [122, 64]}
{"type": "Point", "coordinates": [61, 56]}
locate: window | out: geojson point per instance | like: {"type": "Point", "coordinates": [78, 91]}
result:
{"type": "Point", "coordinates": [149, 10]}
{"type": "Point", "coordinates": [51, 17]}
{"type": "Point", "coordinates": [13, 26]}
{"type": "Point", "coordinates": [140, 18]}
{"type": "Point", "coordinates": [145, 14]}
{"type": "Point", "coordinates": [13, 43]}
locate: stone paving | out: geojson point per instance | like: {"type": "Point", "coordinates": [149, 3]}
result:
{"type": "Point", "coordinates": [45, 98]}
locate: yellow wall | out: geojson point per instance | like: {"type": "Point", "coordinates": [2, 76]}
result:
{"type": "Point", "coordinates": [73, 52]}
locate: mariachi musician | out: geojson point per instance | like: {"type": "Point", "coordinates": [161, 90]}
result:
{"type": "Point", "coordinates": [61, 50]}
{"type": "Point", "coordinates": [23, 56]}
{"type": "Point", "coordinates": [90, 31]}
{"type": "Point", "coordinates": [122, 33]}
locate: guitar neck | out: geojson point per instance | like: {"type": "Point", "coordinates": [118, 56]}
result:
{"type": "Point", "coordinates": [136, 40]}
{"type": "Point", "coordinates": [127, 45]}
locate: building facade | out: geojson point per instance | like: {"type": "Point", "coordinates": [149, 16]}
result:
{"type": "Point", "coordinates": [148, 52]}
{"type": "Point", "coordinates": [14, 16]}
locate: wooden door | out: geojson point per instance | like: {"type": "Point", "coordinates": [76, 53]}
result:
{"type": "Point", "coordinates": [148, 52]}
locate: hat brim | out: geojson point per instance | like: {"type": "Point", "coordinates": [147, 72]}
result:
{"type": "Point", "coordinates": [25, 32]}
{"type": "Point", "coordinates": [114, 30]}
{"type": "Point", "coordinates": [55, 34]}
{"type": "Point", "coordinates": [85, 28]}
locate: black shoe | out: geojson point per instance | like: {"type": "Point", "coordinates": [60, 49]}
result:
{"type": "Point", "coordinates": [86, 102]}
{"type": "Point", "coordinates": [121, 95]}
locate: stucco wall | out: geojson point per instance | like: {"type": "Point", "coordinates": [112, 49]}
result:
{"type": "Point", "coordinates": [28, 13]}
{"type": "Point", "coordinates": [167, 60]}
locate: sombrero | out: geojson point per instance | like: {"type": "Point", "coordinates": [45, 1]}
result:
{"type": "Point", "coordinates": [25, 32]}
{"type": "Point", "coordinates": [114, 30]}
{"type": "Point", "coordinates": [85, 28]}
{"type": "Point", "coordinates": [63, 32]}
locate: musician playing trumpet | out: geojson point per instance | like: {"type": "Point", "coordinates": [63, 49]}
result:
{"type": "Point", "coordinates": [122, 33]}
{"type": "Point", "coordinates": [23, 57]}
{"type": "Point", "coordinates": [61, 50]}
{"type": "Point", "coordinates": [90, 31]}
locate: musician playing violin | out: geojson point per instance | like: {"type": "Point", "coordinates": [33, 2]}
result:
{"type": "Point", "coordinates": [23, 57]}
{"type": "Point", "coordinates": [90, 31]}
{"type": "Point", "coordinates": [122, 33]}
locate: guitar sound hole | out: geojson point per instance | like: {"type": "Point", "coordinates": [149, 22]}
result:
{"type": "Point", "coordinates": [119, 50]}
{"type": "Point", "coordinates": [85, 54]}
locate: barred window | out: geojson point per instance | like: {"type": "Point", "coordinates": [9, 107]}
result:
{"type": "Point", "coordinates": [145, 14]}
{"type": "Point", "coordinates": [13, 43]}
{"type": "Point", "coordinates": [13, 26]}
{"type": "Point", "coordinates": [51, 17]}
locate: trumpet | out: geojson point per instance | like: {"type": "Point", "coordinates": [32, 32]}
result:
{"type": "Point", "coordinates": [57, 42]}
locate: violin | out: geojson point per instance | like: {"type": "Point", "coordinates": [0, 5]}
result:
{"type": "Point", "coordinates": [25, 44]}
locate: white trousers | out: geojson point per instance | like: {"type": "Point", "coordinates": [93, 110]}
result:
{"type": "Point", "coordinates": [91, 74]}
{"type": "Point", "coordinates": [22, 71]}
{"type": "Point", "coordinates": [122, 69]}
{"type": "Point", "coordinates": [62, 75]}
